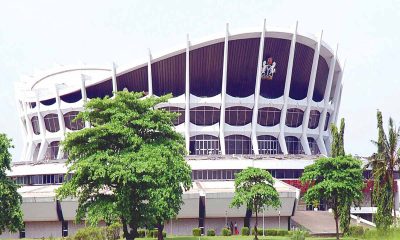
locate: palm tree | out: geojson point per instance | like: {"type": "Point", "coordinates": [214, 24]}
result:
{"type": "Point", "coordinates": [383, 163]}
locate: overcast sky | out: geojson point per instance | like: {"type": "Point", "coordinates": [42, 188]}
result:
{"type": "Point", "coordinates": [40, 34]}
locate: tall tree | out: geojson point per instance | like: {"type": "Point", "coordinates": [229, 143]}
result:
{"type": "Point", "coordinates": [255, 189]}
{"type": "Point", "coordinates": [338, 150]}
{"type": "Point", "coordinates": [383, 163]}
{"type": "Point", "coordinates": [10, 200]}
{"type": "Point", "coordinates": [124, 160]}
{"type": "Point", "coordinates": [334, 180]}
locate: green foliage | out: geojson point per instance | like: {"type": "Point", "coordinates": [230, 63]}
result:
{"type": "Point", "coordinates": [196, 232]}
{"type": "Point", "coordinates": [211, 232]}
{"type": "Point", "coordinates": [10, 200]}
{"type": "Point", "coordinates": [356, 231]}
{"type": "Point", "coordinates": [259, 231]}
{"type": "Point", "coordinates": [90, 233]}
{"type": "Point", "coordinates": [298, 235]}
{"type": "Point", "coordinates": [338, 150]}
{"type": "Point", "coordinates": [255, 189]}
{"type": "Point", "coordinates": [245, 231]}
{"type": "Point", "coordinates": [129, 166]}
{"type": "Point", "coordinates": [226, 232]}
{"type": "Point", "coordinates": [383, 163]}
{"type": "Point", "coordinates": [334, 180]}
{"type": "Point", "coordinates": [282, 232]}
{"type": "Point", "coordinates": [141, 233]}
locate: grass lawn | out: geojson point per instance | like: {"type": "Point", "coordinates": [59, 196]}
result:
{"type": "Point", "coordinates": [242, 238]}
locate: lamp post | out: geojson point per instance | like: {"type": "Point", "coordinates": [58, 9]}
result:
{"type": "Point", "coordinates": [279, 214]}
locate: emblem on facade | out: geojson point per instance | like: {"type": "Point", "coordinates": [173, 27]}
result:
{"type": "Point", "coordinates": [268, 69]}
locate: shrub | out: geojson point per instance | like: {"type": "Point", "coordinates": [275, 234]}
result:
{"type": "Point", "coordinates": [298, 235]}
{"type": "Point", "coordinates": [226, 232]}
{"type": "Point", "coordinates": [282, 232]}
{"type": "Point", "coordinates": [141, 233]}
{"type": "Point", "coordinates": [90, 233]}
{"type": "Point", "coordinates": [245, 231]}
{"type": "Point", "coordinates": [113, 231]}
{"type": "Point", "coordinates": [259, 231]}
{"type": "Point", "coordinates": [271, 232]}
{"type": "Point", "coordinates": [154, 233]}
{"type": "Point", "coordinates": [196, 232]}
{"type": "Point", "coordinates": [356, 231]}
{"type": "Point", "coordinates": [210, 232]}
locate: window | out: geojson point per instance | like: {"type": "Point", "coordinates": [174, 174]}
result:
{"type": "Point", "coordinates": [268, 145]}
{"type": "Point", "coordinates": [314, 119]}
{"type": "Point", "coordinates": [51, 122]}
{"type": "Point", "coordinates": [328, 115]}
{"type": "Point", "coordinates": [181, 114]}
{"type": "Point", "coordinates": [313, 146]}
{"type": "Point", "coordinates": [52, 150]}
{"type": "Point", "coordinates": [204, 145]}
{"type": "Point", "coordinates": [294, 117]}
{"type": "Point", "coordinates": [204, 116]}
{"type": "Point", "coordinates": [269, 116]}
{"type": "Point", "coordinates": [71, 122]}
{"type": "Point", "coordinates": [35, 125]}
{"type": "Point", "coordinates": [238, 144]}
{"type": "Point", "coordinates": [293, 145]}
{"type": "Point", "coordinates": [238, 116]}
{"type": "Point", "coordinates": [36, 152]}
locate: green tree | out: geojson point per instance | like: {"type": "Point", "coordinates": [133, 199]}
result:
{"type": "Point", "coordinates": [10, 200]}
{"type": "Point", "coordinates": [124, 160]}
{"type": "Point", "coordinates": [338, 150]}
{"type": "Point", "coordinates": [255, 189]}
{"type": "Point", "coordinates": [383, 163]}
{"type": "Point", "coordinates": [334, 180]}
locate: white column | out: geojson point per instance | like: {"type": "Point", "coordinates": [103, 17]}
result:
{"type": "Point", "coordinates": [114, 78]}
{"type": "Point", "coordinates": [337, 105]}
{"type": "Point", "coordinates": [24, 127]}
{"type": "Point", "coordinates": [257, 92]}
{"type": "Point", "coordinates": [187, 97]}
{"type": "Point", "coordinates": [320, 140]}
{"type": "Point", "coordinates": [60, 121]}
{"type": "Point", "coordinates": [288, 80]}
{"type": "Point", "coordinates": [306, 119]}
{"type": "Point", "coordinates": [149, 77]}
{"type": "Point", "coordinates": [223, 92]}
{"type": "Point", "coordinates": [84, 96]}
{"type": "Point", "coordinates": [42, 127]}
{"type": "Point", "coordinates": [27, 156]}
{"type": "Point", "coordinates": [337, 94]}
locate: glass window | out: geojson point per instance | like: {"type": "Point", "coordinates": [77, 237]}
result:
{"type": "Point", "coordinates": [71, 122]}
{"type": "Point", "coordinates": [238, 116]}
{"type": "Point", "coordinates": [294, 117]}
{"type": "Point", "coordinates": [314, 119]}
{"type": "Point", "coordinates": [36, 152]}
{"type": "Point", "coordinates": [238, 144]}
{"type": "Point", "coordinates": [313, 146]}
{"type": "Point", "coordinates": [52, 150]}
{"type": "Point", "coordinates": [268, 116]}
{"type": "Point", "coordinates": [35, 125]}
{"type": "Point", "coordinates": [204, 116]}
{"type": "Point", "coordinates": [328, 115]}
{"type": "Point", "coordinates": [51, 122]}
{"type": "Point", "coordinates": [181, 118]}
{"type": "Point", "coordinates": [268, 145]}
{"type": "Point", "coordinates": [204, 145]}
{"type": "Point", "coordinates": [293, 145]}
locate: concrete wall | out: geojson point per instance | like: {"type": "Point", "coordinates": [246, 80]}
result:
{"type": "Point", "coordinates": [42, 229]}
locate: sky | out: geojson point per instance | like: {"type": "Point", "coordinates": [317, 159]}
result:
{"type": "Point", "coordinates": [38, 35]}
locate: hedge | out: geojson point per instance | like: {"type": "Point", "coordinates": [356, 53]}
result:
{"type": "Point", "coordinates": [210, 232]}
{"type": "Point", "coordinates": [245, 231]}
{"type": "Point", "coordinates": [196, 232]}
{"type": "Point", "coordinates": [226, 232]}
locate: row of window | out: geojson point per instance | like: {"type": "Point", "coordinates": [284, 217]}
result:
{"type": "Point", "coordinates": [239, 144]}
{"type": "Point", "coordinates": [229, 174]}
{"type": "Point", "coordinates": [45, 179]}
{"type": "Point", "coordinates": [52, 124]}
{"type": "Point", "coordinates": [201, 116]}
{"type": "Point", "coordinates": [240, 116]}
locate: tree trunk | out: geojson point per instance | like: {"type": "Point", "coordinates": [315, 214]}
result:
{"type": "Point", "coordinates": [393, 200]}
{"type": "Point", "coordinates": [127, 234]}
{"type": "Point", "coordinates": [255, 226]}
{"type": "Point", "coordinates": [337, 225]}
{"type": "Point", "coordinates": [160, 228]}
